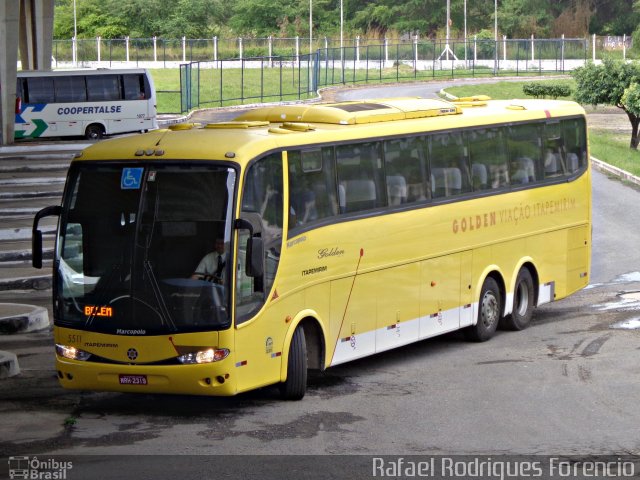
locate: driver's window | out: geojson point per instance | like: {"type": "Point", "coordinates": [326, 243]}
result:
{"type": "Point", "coordinates": [263, 194]}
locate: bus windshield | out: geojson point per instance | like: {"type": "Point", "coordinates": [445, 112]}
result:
{"type": "Point", "coordinates": [132, 239]}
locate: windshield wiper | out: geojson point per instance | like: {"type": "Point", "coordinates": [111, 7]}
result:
{"type": "Point", "coordinates": [165, 315]}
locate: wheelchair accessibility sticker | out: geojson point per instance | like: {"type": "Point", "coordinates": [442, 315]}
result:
{"type": "Point", "coordinates": [131, 178]}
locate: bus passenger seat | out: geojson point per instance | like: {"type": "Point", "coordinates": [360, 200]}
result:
{"type": "Point", "coordinates": [360, 195]}
{"type": "Point", "coordinates": [479, 176]}
{"type": "Point", "coordinates": [438, 182]}
{"type": "Point", "coordinates": [396, 189]}
{"type": "Point", "coordinates": [342, 198]}
{"type": "Point", "coordinates": [454, 181]}
{"type": "Point", "coordinates": [573, 163]}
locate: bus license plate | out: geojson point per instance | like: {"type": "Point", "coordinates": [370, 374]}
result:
{"type": "Point", "coordinates": [133, 379]}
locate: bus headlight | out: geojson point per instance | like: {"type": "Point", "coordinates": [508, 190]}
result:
{"type": "Point", "coordinates": [72, 353]}
{"type": "Point", "coordinates": [204, 356]}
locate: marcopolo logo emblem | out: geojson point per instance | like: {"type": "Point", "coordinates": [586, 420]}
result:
{"type": "Point", "coordinates": [132, 354]}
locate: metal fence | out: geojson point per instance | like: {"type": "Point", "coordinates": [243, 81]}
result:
{"type": "Point", "coordinates": [169, 53]}
{"type": "Point", "coordinates": [295, 77]}
{"type": "Point", "coordinates": [284, 70]}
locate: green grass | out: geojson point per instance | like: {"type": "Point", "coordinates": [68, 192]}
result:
{"type": "Point", "coordinates": [504, 90]}
{"type": "Point", "coordinates": [614, 149]}
{"type": "Point", "coordinates": [223, 87]}
{"type": "Point", "coordinates": [234, 87]}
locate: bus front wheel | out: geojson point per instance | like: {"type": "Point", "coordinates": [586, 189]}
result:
{"type": "Point", "coordinates": [523, 299]}
{"type": "Point", "coordinates": [294, 387]}
{"type": "Point", "coordinates": [94, 132]}
{"type": "Point", "coordinates": [489, 312]}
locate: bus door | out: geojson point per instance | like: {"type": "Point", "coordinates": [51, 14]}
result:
{"type": "Point", "coordinates": [260, 332]}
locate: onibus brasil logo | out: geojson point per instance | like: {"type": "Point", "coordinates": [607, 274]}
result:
{"type": "Point", "coordinates": [37, 469]}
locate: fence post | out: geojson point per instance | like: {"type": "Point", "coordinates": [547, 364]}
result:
{"type": "Point", "coordinates": [386, 51]}
{"type": "Point", "coordinates": [270, 51]}
{"type": "Point", "coordinates": [99, 40]}
{"type": "Point", "coordinates": [184, 48]}
{"type": "Point", "coordinates": [215, 49]}
{"type": "Point", "coordinates": [415, 52]}
{"type": "Point", "coordinates": [155, 48]}
{"type": "Point", "coordinates": [594, 47]}
{"type": "Point", "coordinates": [357, 48]}
{"type": "Point", "coordinates": [126, 46]}
{"type": "Point", "coordinates": [504, 47]}
{"type": "Point", "coordinates": [533, 57]}
{"type": "Point", "coordinates": [297, 49]}
{"type": "Point", "coordinates": [624, 46]}
{"type": "Point", "coordinates": [240, 47]}
{"type": "Point", "coordinates": [562, 54]}
{"type": "Point", "coordinates": [475, 48]}
{"type": "Point", "coordinates": [74, 51]}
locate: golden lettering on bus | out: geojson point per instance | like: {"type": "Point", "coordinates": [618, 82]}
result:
{"type": "Point", "coordinates": [514, 215]}
{"type": "Point", "coordinates": [474, 222]}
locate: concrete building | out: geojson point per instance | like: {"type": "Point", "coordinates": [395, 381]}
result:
{"type": "Point", "coordinates": [25, 26]}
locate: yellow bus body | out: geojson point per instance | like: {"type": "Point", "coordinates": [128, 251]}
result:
{"type": "Point", "coordinates": [362, 284]}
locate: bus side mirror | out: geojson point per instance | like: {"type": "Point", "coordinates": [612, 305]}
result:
{"type": "Point", "coordinates": [255, 257]}
{"type": "Point", "coordinates": [36, 234]}
{"type": "Point", "coordinates": [255, 245]}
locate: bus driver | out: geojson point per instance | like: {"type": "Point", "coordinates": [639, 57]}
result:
{"type": "Point", "coordinates": [211, 267]}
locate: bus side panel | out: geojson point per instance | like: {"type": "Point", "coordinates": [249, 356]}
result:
{"type": "Point", "coordinates": [260, 347]}
{"type": "Point", "coordinates": [398, 297]}
{"type": "Point", "coordinates": [550, 251]}
{"type": "Point", "coordinates": [354, 306]}
{"type": "Point", "coordinates": [440, 295]}
{"type": "Point", "coordinates": [578, 258]}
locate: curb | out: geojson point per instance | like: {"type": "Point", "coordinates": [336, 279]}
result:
{"type": "Point", "coordinates": [615, 171]}
{"type": "Point", "coordinates": [8, 365]}
{"type": "Point", "coordinates": [25, 283]}
{"type": "Point", "coordinates": [20, 318]}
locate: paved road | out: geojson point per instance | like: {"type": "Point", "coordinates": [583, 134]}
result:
{"type": "Point", "coordinates": [566, 386]}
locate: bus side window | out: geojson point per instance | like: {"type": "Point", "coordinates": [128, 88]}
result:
{"type": "Point", "coordinates": [70, 89]}
{"type": "Point", "coordinates": [102, 88]}
{"type": "Point", "coordinates": [40, 90]}
{"type": "Point", "coordinates": [133, 86]}
{"type": "Point", "coordinates": [312, 186]}
{"type": "Point", "coordinates": [360, 179]}
{"type": "Point", "coordinates": [449, 165]}
{"type": "Point", "coordinates": [574, 135]}
{"type": "Point", "coordinates": [405, 170]}
{"type": "Point", "coordinates": [488, 156]}
{"type": "Point", "coordinates": [525, 154]}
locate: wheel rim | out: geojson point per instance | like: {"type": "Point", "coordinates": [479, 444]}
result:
{"type": "Point", "coordinates": [489, 309]}
{"type": "Point", "coordinates": [522, 299]}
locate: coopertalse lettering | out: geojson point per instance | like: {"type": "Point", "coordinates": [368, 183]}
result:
{"type": "Point", "coordinates": [90, 110]}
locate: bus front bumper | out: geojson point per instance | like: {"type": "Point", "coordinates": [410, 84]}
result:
{"type": "Point", "coordinates": [214, 379]}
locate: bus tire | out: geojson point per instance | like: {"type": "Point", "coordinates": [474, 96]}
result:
{"type": "Point", "coordinates": [489, 312]}
{"type": "Point", "coordinates": [295, 386]}
{"type": "Point", "coordinates": [523, 300]}
{"type": "Point", "coordinates": [94, 132]}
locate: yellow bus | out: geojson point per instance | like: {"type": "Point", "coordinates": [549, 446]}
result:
{"type": "Point", "coordinates": [217, 259]}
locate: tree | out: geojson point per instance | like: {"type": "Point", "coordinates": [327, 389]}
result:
{"type": "Point", "coordinates": [606, 84]}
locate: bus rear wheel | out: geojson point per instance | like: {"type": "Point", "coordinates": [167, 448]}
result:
{"type": "Point", "coordinates": [523, 300]}
{"type": "Point", "coordinates": [489, 312]}
{"type": "Point", "coordinates": [94, 132]}
{"type": "Point", "coordinates": [295, 386]}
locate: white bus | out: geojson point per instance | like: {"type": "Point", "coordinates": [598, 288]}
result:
{"type": "Point", "coordinates": [89, 103]}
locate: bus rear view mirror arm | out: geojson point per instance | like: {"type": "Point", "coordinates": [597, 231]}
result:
{"type": "Point", "coordinates": [36, 235]}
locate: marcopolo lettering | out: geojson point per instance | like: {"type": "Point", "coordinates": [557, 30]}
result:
{"type": "Point", "coordinates": [90, 110]}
